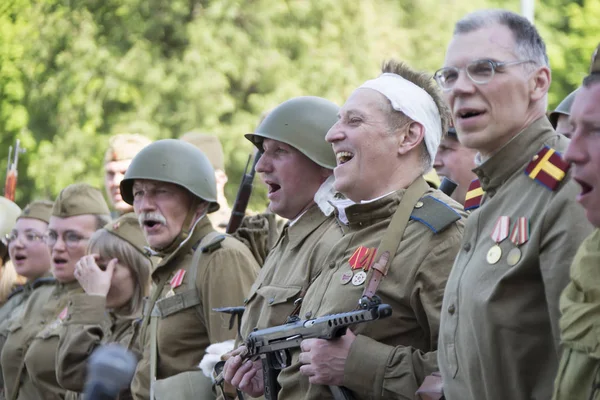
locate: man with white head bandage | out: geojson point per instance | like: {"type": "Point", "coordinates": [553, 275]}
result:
{"type": "Point", "coordinates": [400, 239]}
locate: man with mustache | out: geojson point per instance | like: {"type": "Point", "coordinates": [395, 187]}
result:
{"type": "Point", "coordinates": [499, 335]}
{"type": "Point", "coordinates": [121, 150]}
{"type": "Point", "coordinates": [172, 188]}
{"type": "Point", "coordinates": [579, 304]}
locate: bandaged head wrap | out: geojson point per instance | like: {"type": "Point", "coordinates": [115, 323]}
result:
{"type": "Point", "coordinates": [414, 102]}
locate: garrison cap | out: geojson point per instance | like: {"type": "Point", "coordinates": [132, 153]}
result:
{"type": "Point", "coordinates": [563, 108]}
{"type": "Point", "coordinates": [125, 146]}
{"type": "Point", "coordinates": [9, 213]}
{"type": "Point", "coordinates": [128, 228]}
{"type": "Point", "coordinates": [301, 122]}
{"type": "Point", "coordinates": [39, 209]}
{"type": "Point", "coordinates": [79, 199]}
{"type": "Point", "coordinates": [210, 145]}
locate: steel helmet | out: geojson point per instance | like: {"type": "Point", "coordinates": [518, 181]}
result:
{"type": "Point", "coordinates": [301, 122]}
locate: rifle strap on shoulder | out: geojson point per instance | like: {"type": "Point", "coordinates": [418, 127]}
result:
{"type": "Point", "coordinates": [394, 233]}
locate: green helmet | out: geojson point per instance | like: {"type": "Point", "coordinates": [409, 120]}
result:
{"type": "Point", "coordinates": [301, 122]}
{"type": "Point", "coordinates": [563, 108]}
{"type": "Point", "coordinates": [173, 161]}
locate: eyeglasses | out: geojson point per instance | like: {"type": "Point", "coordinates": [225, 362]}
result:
{"type": "Point", "coordinates": [71, 239]}
{"type": "Point", "coordinates": [479, 71]}
{"type": "Point", "coordinates": [27, 237]}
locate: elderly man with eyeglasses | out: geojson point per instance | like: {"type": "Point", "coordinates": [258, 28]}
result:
{"type": "Point", "coordinates": [499, 335]}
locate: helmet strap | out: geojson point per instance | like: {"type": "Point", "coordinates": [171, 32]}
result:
{"type": "Point", "coordinates": [186, 228]}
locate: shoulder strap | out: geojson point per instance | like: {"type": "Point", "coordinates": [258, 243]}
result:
{"type": "Point", "coordinates": [394, 233]}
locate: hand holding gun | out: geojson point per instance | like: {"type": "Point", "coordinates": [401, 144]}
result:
{"type": "Point", "coordinates": [273, 345]}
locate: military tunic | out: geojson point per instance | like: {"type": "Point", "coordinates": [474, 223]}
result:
{"type": "Point", "coordinates": [390, 357]}
{"type": "Point", "coordinates": [223, 277]}
{"type": "Point", "coordinates": [294, 262]}
{"type": "Point", "coordinates": [499, 337]}
{"type": "Point", "coordinates": [579, 370]}
{"type": "Point", "coordinates": [32, 343]}
{"type": "Point", "coordinates": [88, 325]}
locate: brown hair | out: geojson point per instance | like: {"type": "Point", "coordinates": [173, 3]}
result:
{"type": "Point", "coordinates": [109, 246]}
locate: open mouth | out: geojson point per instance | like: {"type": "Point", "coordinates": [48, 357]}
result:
{"type": "Point", "coordinates": [151, 223]}
{"type": "Point", "coordinates": [343, 157]}
{"type": "Point", "coordinates": [59, 261]}
{"type": "Point", "coordinates": [469, 113]}
{"type": "Point", "coordinates": [20, 257]}
{"type": "Point", "coordinates": [585, 188]}
{"type": "Point", "coordinates": [272, 187]}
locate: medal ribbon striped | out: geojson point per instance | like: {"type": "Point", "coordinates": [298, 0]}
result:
{"type": "Point", "coordinates": [500, 231]}
{"type": "Point", "coordinates": [362, 258]}
{"type": "Point", "coordinates": [177, 279]}
{"type": "Point", "coordinates": [520, 231]}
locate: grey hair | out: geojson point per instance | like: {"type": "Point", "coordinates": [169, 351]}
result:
{"type": "Point", "coordinates": [529, 43]}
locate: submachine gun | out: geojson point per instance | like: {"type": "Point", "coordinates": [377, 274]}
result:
{"type": "Point", "coordinates": [273, 345]}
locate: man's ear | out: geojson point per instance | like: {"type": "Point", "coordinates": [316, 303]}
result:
{"type": "Point", "coordinates": [540, 83]}
{"type": "Point", "coordinates": [202, 209]}
{"type": "Point", "coordinates": [411, 138]}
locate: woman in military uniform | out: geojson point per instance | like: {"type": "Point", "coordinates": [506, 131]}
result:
{"type": "Point", "coordinates": [115, 275]}
{"type": "Point", "coordinates": [9, 212]}
{"type": "Point", "coordinates": [29, 355]}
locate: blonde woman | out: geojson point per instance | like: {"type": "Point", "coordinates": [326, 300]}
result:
{"type": "Point", "coordinates": [115, 275]}
{"type": "Point", "coordinates": [9, 212]}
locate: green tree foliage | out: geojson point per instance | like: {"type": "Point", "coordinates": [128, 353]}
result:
{"type": "Point", "coordinates": [72, 73]}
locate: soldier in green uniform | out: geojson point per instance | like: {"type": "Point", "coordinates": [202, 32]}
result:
{"type": "Point", "coordinates": [295, 155]}
{"type": "Point", "coordinates": [211, 146]}
{"type": "Point", "coordinates": [559, 118]}
{"type": "Point", "coordinates": [171, 186]}
{"type": "Point", "coordinates": [499, 335]}
{"type": "Point", "coordinates": [121, 150]}
{"type": "Point", "coordinates": [29, 355]}
{"type": "Point", "coordinates": [115, 275]}
{"type": "Point", "coordinates": [579, 370]}
{"type": "Point", "coordinates": [385, 139]}
{"type": "Point", "coordinates": [31, 260]}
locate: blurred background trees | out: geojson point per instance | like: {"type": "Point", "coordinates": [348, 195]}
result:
{"type": "Point", "coordinates": [74, 72]}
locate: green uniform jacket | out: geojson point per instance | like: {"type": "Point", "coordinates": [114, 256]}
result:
{"type": "Point", "coordinates": [223, 277]}
{"type": "Point", "coordinates": [87, 326]}
{"type": "Point", "coordinates": [579, 370]}
{"type": "Point", "coordinates": [390, 358]}
{"type": "Point", "coordinates": [294, 262]}
{"type": "Point", "coordinates": [499, 337]}
{"type": "Point", "coordinates": [33, 339]}
{"type": "Point", "coordinates": [13, 308]}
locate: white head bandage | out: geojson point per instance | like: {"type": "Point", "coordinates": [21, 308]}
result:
{"type": "Point", "coordinates": [414, 102]}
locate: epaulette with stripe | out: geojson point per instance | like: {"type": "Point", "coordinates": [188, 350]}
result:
{"type": "Point", "coordinates": [547, 168]}
{"type": "Point", "coordinates": [474, 195]}
{"type": "Point", "coordinates": [434, 213]}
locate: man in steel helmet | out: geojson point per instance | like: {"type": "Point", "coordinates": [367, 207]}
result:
{"type": "Point", "coordinates": [559, 118]}
{"type": "Point", "coordinates": [171, 186]}
{"type": "Point", "coordinates": [297, 166]}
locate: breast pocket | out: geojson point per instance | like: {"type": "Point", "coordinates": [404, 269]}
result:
{"type": "Point", "coordinates": [278, 304]}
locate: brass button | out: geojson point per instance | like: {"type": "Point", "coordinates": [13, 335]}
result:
{"type": "Point", "coordinates": [451, 309]}
{"type": "Point", "coordinates": [308, 315]}
{"type": "Point", "coordinates": [467, 247]}
{"type": "Point", "coordinates": [332, 264]}
{"type": "Point", "coordinates": [419, 204]}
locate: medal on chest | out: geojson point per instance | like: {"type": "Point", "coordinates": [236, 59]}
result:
{"type": "Point", "coordinates": [499, 233]}
{"type": "Point", "coordinates": [175, 282]}
{"type": "Point", "coordinates": [360, 261]}
{"type": "Point", "coordinates": [518, 236]}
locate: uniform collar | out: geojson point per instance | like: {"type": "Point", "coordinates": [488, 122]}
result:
{"type": "Point", "coordinates": [66, 287]}
{"type": "Point", "coordinates": [304, 226]}
{"type": "Point", "coordinates": [514, 155]}
{"type": "Point", "coordinates": [202, 228]}
{"type": "Point", "coordinates": [359, 214]}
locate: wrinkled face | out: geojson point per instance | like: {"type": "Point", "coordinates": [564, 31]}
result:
{"type": "Point", "coordinates": [486, 116]}
{"type": "Point", "coordinates": [366, 150]}
{"type": "Point", "coordinates": [563, 125]}
{"type": "Point", "coordinates": [72, 235]}
{"type": "Point", "coordinates": [122, 286]}
{"type": "Point", "coordinates": [28, 252]}
{"type": "Point", "coordinates": [114, 172]}
{"type": "Point", "coordinates": [584, 150]}
{"type": "Point", "coordinates": [162, 209]}
{"type": "Point", "coordinates": [456, 162]}
{"type": "Point", "coordinates": [292, 178]}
